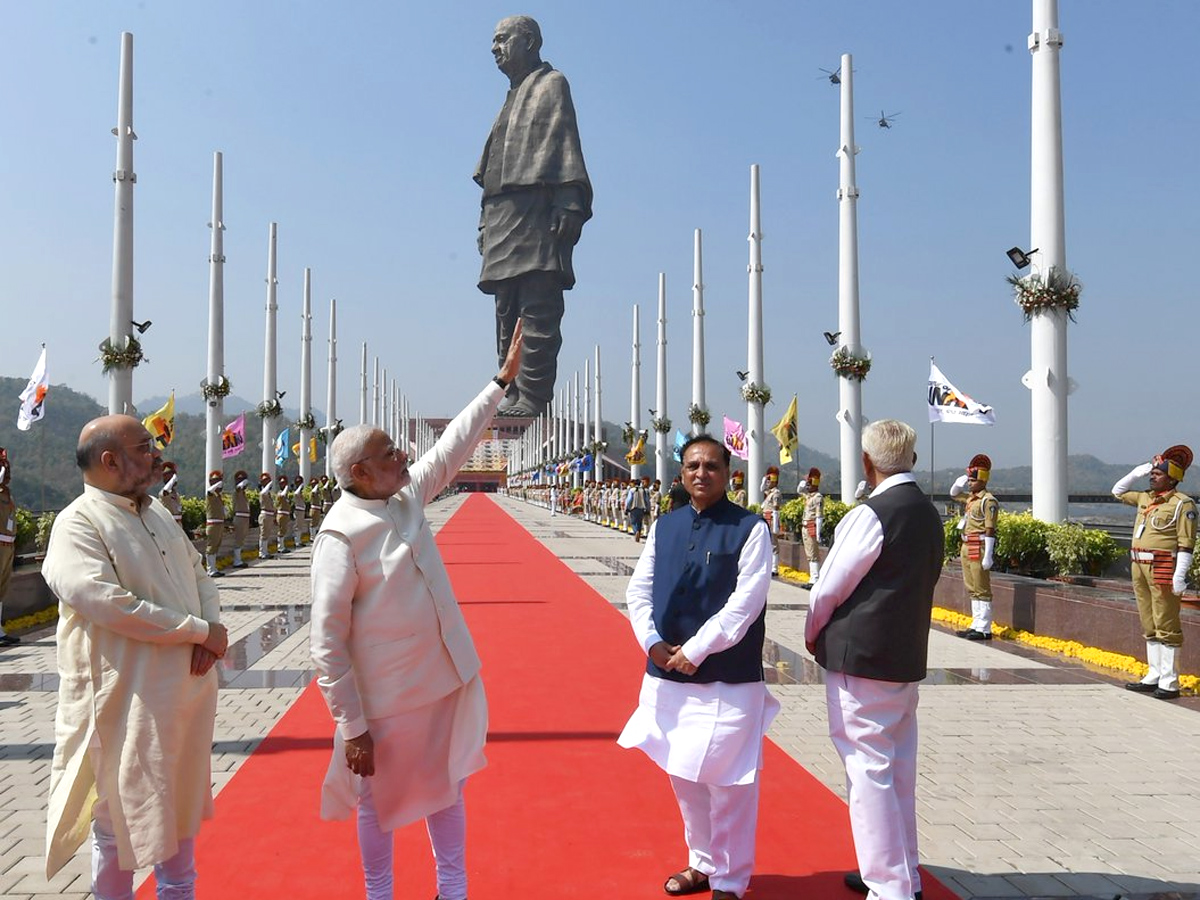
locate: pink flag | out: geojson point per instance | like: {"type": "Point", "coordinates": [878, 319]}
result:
{"type": "Point", "coordinates": [735, 438]}
{"type": "Point", "coordinates": [233, 438]}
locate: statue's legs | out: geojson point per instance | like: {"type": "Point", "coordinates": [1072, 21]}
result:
{"type": "Point", "coordinates": [537, 299]}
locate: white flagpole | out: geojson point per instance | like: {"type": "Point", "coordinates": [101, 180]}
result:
{"type": "Point", "coordinates": [850, 417]}
{"type": "Point", "coordinates": [215, 406]}
{"type": "Point", "coordinates": [306, 376]}
{"type": "Point", "coordinates": [755, 467]}
{"type": "Point", "coordinates": [120, 326]}
{"type": "Point", "coordinates": [660, 398]}
{"type": "Point", "coordinates": [270, 357]}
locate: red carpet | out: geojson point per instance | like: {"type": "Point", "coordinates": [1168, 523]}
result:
{"type": "Point", "coordinates": [561, 810]}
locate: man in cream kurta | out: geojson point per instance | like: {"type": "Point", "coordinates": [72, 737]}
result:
{"type": "Point", "coordinates": [393, 655]}
{"type": "Point", "coordinates": [138, 633]}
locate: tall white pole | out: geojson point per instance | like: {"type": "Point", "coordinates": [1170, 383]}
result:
{"type": "Point", "coordinates": [662, 449]}
{"type": "Point", "coordinates": [850, 419]}
{"type": "Point", "coordinates": [270, 424]}
{"type": "Point", "coordinates": [635, 391]}
{"type": "Point", "coordinates": [331, 388]}
{"type": "Point", "coordinates": [586, 417]}
{"type": "Point", "coordinates": [215, 407]}
{"type": "Point", "coordinates": [576, 443]}
{"type": "Point", "coordinates": [698, 332]}
{"type": "Point", "coordinates": [120, 330]}
{"type": "Point", "coordinates": [1047, 377]}
{"type": "Point", "coordinates": [375, 396]}
{"type": "Point", "coordinates": [599, 470]}
{"type": "Point", "coordinates": [754, 357]}
{"type": "Point", "coordinates": [306, 375]}
{"type": "Point", "coordinates": [394, 417]}
{"type": "Point", "coordinates": [362, 388]}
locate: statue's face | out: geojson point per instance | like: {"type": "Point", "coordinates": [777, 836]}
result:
{"type": "Point", "coordinates": [510, 48]}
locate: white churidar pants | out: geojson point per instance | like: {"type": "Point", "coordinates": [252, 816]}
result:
{"type": "Point", "coordinates": [719, 824]}
{"type": "Point", "coordinates": [873, 725]}
{"type": "Point", "coordinates": [175, 877]}
{"type": "Point", "coordinates": [981, 616]}
{"type": "Point", "coordinates": [447, 836]}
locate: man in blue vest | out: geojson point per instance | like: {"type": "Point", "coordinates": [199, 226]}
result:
{"type": "Point", "coordinates": [697, 604]}
{"type": "Point", "coordinates": [868, 627]}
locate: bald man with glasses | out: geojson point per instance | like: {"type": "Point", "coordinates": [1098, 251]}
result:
{"type": "Point", "coordinates": [138, 632]}
{"type": "Point", "coordinates": [391, 649]}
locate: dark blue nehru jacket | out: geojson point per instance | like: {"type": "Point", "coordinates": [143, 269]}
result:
{"type": "Point", "coordinates": [695, 572]}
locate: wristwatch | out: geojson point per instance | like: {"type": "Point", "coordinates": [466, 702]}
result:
{"type": "Point", "coordinates": [500, 381]}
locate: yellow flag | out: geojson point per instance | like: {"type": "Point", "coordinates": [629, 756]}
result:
{"type": "Point", "coordinates": [161, 424]}
{"type": "Point", "coordinates": [785, 433]}
{"type": "Point", "coordinates": [637, 453]}
{"type": "Point", "coordinates": [312, 449]}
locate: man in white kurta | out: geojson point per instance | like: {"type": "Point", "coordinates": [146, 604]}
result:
{"type": "Point", "coordinates": [697, 603]}
{"type": "Point", "coordinates": [138, 633]}
{"type": "Point", "coordinates": [394, 658]}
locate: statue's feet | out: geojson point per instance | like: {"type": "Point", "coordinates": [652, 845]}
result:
{"type": "Point", "coordinates": [518, 411]}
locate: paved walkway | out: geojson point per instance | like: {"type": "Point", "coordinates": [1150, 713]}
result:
{"type": "Point", "coordinates": [1038, 777]}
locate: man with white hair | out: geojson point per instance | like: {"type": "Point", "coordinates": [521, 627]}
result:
{"type": "Point", "coordinates": [392, 652]}
{"type": "Point", "coordinates": [868, 627]}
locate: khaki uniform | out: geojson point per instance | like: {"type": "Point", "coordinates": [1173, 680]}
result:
{"type": "Point", "coordinates": [266, 517]}
{"type": "Point", "coordinates": [979, 517]}
{"type": "Point", "coordinates": [317, 510]}
{"type": "Point", "coordinates": [1165, 524]}
{"type": "Point", "coordinates": [299, 513]}
{"type": "Point", "coordinates": [171, 500]}
{"type": "Point", "coordinates": [814, 507]}
{"type": "Point", "coordinates": [739, 497]}
{"type": "Point", "coordinates": [8, 538]}
{"type": "Point", "coordinates": [214, 522]}
{"type": "Point", "coordinates": [241, 517]}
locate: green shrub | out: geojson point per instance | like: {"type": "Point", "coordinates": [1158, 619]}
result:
{"type": "Point", "coordinates": [790, 515]}
{"type": "Point", "coordinates": [1021, 545]}
{"type": "Point", "coordinates": [26, 530]}
{"type": "Point", "coordinates": [194, 514]}
{"type": "Point", "coordinates": [953, 538]}
{"type": "Point", "coordinates": [1075, 550]}
{"type": "Point", "coordinates": [755, 508]}
{"type": "Point", "coordinates": [832, 512]}
{"type": "Point", "coordinates": [42, 535]}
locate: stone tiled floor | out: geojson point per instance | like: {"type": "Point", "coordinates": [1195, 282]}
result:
{"type": "Point", "coordinates": [1038, 777]}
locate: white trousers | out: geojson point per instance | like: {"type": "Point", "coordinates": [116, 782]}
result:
{"type": "Point", "coordinates": [447, 836]}
{"type": "Point", "coordinates": [175, 877]}
{"type": "Point", "coordinates": [981, 616]}
{"type": "Point", "coordinates": [719, 824]}
{"type": "Point", "coordinates": [873, 725]}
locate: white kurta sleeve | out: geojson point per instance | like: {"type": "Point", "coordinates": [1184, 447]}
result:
{"type": "Point", "coordinates": [639, 596]}
{"type": "Point", "coordinates": [80, 572]}
{"type": "Point", "coordinates": [857, 543]}
{"type": "Point", "coordinates": [730, 623]}
{"type": "Point", "coordinates": [334, 581]}
{"type": "Point", "coordinates": [437, 468]}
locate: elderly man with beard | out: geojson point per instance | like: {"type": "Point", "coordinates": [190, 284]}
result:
{"type": "Point", "coordinates": [697, 603]}
{"type": "Point", "coordinates": [393, 655]}
{"type": "Point", "coordinates": [138, 632]}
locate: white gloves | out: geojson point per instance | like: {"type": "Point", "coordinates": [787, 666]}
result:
{"type": "Point", "coordinates": [242, 485]}
{"type": "Point", "coordinates": [959, 486]}
{"type": "Point", "coordinates": [989, 549]}
{"type": "Point", "coordinates": [213, 488]}
{"type": "Point", "coordinates": [167, 488]}
{"type": "Point", "coordinates": [862, 490]}
{"type": "Point", "coordinates": [1183, 562]}
{"type": "Point", "coordinates": [266, 488]}
{"type": "Point", "coordinates": [820, 528]}
{"type": "Point", "coordinates": [1126, 483]}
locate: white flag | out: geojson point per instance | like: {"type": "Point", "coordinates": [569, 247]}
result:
{"type": "Point", "coordinates": [948, 404]}
{"type": "Point", "coordinates": [33, 398]}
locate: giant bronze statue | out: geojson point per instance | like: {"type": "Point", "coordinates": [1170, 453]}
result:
{"type": "Point", "coordinates": [536, 197]}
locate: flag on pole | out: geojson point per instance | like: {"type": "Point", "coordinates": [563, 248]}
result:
{"type": "Point", "coordinates": [312, 449]}
{"type": "Point", "coordinates": [735, 438]}
{"type": "Point", "coordinates": [281, 446]}
{"type": "Point", "coordinates": [680, 440]}
{"type": "Point", "coordinates": [233, 438]}
{"type": "Point", "coordinates": [33, 398]}
{"type": "Point", "coordinates": [785, 433]}
{"type": "Point", "coordinates": [637, 453]}
{"type": "Point", "coordinates": [948, 404]}
{"type": "Point", "coordinates": [161, 424]}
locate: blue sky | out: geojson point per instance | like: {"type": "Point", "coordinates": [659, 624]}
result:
{"type": "Point", "coordinates": [356, 127]}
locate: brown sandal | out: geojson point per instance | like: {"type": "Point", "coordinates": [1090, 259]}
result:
{"type": "Point", "coordinates": [690, 881]}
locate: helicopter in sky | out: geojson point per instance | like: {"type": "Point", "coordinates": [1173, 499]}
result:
{"type": "Point", "coordinates": [835, 77]}
{"type": "Point", "coordinates": [885, 120]}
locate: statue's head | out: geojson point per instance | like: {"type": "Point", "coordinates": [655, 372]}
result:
{"type": "Point", "coordinates": [517, 45]}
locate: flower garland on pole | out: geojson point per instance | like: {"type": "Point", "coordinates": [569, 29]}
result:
{"type": "Point", "coordinates": [756, 393]}
{"type": "Point", "coordinates": [127, 357]}
{"type": "Point", "coordinates": [661, 424]}
{"type": "Point", "coordinates": [217, 389]}
{"type": "Point", "coordinates": [846, 364]}
{"type": "Point", "coordinates": [269, 409]}
{"type": "Point", "coordinates": [698, 415]}
{"type": "Point", "coordinates": [306, 423]}
{"type": "Point", "coordinates": [1037, 294]}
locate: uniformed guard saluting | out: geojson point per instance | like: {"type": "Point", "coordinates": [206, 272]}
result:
{"type": "Point", "coordinates": [978, 551]}
{"type": "Point", "coordinates": [1163, 536]}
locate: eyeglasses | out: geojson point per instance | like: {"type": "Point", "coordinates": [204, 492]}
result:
{"type": "Point", "coordinates": [146, 446]}
{"type": "Point", "coordinates": [392, 452]}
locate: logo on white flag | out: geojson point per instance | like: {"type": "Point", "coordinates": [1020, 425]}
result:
{"type": "Point", "coordinates": [948, 404]}
{"type": "Point", "coordinates": [33, 398]}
